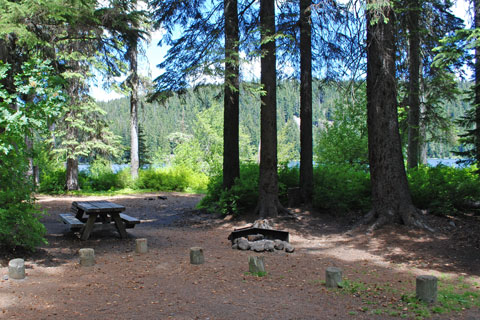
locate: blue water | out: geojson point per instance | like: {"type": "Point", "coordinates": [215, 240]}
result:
{"type": "Point", "coordinates": [432, 162]}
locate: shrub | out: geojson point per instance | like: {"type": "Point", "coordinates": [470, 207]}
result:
{"type": "Point", "coordinates": [52, 182]}
{"type": "Point", "coordinates": [442, 189]}
{"type": "Point", "coordinates": [341, 188]}
{"type": "Point", "coordinates": [176, 178]}
{"type": "Point", "coordinates": [101, 177]}
{"type": "Point", "coordinates": [20, 225]}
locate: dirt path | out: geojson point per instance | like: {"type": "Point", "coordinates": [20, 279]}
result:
{"type": "Point", "coordinates": [162, 284]}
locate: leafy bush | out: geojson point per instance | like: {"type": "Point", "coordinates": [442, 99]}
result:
{"type": "Point", "coordinates": [101, 177]}
{"type": "Point", "coordinates": [176, 178]}
{"type": "Point", "coordinates": [243, 196]}
{"type": "Point", "coordinates": [20, 225]}
{"type": "Point", "coordinates": [341, 188]}
{"type": "Point", "coordinates": [52, 182]}
{"type": "Point", "coordinates": [442, 189]}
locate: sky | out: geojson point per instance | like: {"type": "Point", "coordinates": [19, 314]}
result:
{"type": "Point", "coordinates": [155, 55]}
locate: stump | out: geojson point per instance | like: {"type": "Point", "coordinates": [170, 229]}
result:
{"type": "Point", "coordinates": [16, 269]}
{"type": "Point", "coordinates": [196, 255]}
{"type": "Point", "coordinates": [141, 245]}
{"type": "Point", "coordinates": [256, 265]}
{"type": "Point", "coordinates": [426, 288]}
{"type": "Point", "coordinates": [87, 257]}
{"type": "Point", "coordinates": [333, 277]}
{"type": "Point", "coordinates": [294, 196]}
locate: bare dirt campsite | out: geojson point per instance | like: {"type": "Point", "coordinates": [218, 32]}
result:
{"type": "Point", "coordinates": [379, 269]}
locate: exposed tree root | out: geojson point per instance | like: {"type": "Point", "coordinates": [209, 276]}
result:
{"type": "Point", "coordinates": [270, 209]}
{"type": "Point", "coordinates": [407, 215]}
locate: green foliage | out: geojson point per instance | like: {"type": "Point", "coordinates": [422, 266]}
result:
{"type": "Point", "coordinates": [52, 181]}
{"type": "Point", "coordinates": [243, 196]}
{"type": "Point", "coordinates": [20, 117]}
{"type": "Point", "coordinates": [20, 225]}
{"type": "Point", "coordinates": [441, 189]}
{"type": "Point", "coordinates": [176, 178]}
{"type": "Point", "coordinates": [101, 177]}
{"type": "Point", "coordinates": [341, 188]}
{"type": "Point", "coordinates": [343, 138]}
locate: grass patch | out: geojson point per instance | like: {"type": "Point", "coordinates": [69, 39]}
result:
{"type": "Point", "coordinates": [257, 274]}
{"type": "Point", "coordinates": [454, 295]}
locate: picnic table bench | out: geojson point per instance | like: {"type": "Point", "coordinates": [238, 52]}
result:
{"type": "Point", "coordinates": [88, 215]}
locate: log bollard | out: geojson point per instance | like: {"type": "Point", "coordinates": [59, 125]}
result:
{"type": "Point", "coordinates": [426, 288]}
{"type": "Point", "coordinates": [333, 277]}
{"type": "Point", "coordinates": [196, 255]}
{"type": "Point", "coordinates": [16, 269]}
{"type": "Point", "coordinates": [141, 245]}
{"type": "Point", "coordinates": [256, 265]}
{"type": "Point", "coordinates": [87, 257]}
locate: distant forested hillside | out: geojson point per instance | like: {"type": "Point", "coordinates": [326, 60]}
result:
{"type": "Point", "coordinates": [177, 120]}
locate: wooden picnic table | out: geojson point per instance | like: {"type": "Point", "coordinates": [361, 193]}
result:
{"type": "Point", "coordinates": [90, 214]}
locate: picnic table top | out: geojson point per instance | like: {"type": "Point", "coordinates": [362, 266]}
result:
{"type": "Point", "coordinates": [98, 206]}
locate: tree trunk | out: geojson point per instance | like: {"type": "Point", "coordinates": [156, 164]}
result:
{"type": "Point", "coordinates": [268, 203]}
{"type": "Point", "coordinates": [231, 162]}
{"type": "Point", "coordinates": [72, 174]}
{"type": "Point", "coordinates": [476, 4]}
{"type": "Point", "coordinates": [134, 158]}
{"type": "Point", "coordinates": [306, 148]}
{"type": "Point", "coordinates": [413, 151]}
{"type": "Point", "coordinates": [391, 200]}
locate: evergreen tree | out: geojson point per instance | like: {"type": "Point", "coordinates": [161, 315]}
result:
{"type": "Point", "coordinates": [391, 200]}
{"type": "Point", "coordinates": [268, 202]}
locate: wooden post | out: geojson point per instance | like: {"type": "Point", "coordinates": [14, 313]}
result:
{"type": "Point", "coordinates": [196, 255]}
{"type": "Point", "coordinates": [141, 245]}
{"type": "Point", "coordinates": [256, 264]}
{"type": "Point", "coordinates": [426, 288]}
{"type": "Point", "coordinates": [16, 269]}
{"type": "Point", "coordinates": [87, 257]}
{"type": "Point", "coordinates": [333, 277]}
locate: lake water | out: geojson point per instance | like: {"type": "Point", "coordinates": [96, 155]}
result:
{"type": "Point", "coordinates": [432, 162]}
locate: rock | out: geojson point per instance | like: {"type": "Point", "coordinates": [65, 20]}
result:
{"type": "Point", "coordinates": [148, 198]}
{"type": "Point", "coordinates": [426, 288]}
{"type": "Point", "coordinates": [288, 247]}
{"type": "Point", "coordinates": [269, 245]}
{"type": "Point", "coordinates": [5, 277]}
{"type": "Point", "coordinates": [235, 246]}
{"type": "Point", "coordinates": [255, 237]}
{"type": "Point", "coordinates": [452, 224]}
{"type": "Point", "coordinates": [333, 277]}
{"type": "Point", "coordinates": [161, 197]}
{"type": "Point", "coordinates": [243, 244]}
{"type": "Point", "coordinates": [257, 246]}
{"type": "Point", "coordinates": [256, 265]}
{"type": "Point", "coordinates": [141, 245]}
{"type": "Point", "coordinates": [16, 269]}
{"type": "Point", "coordinates": [278, 245]}
{"type": "Point", "coordinates": [87, 257]}
{"type": "Point", "coordinates": [262, 224]}
{"type": "Point", "coordinates": [196, 255]}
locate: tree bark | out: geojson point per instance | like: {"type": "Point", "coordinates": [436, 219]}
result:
{"type": "Point", "coordinates": [72, 174]}
{"type": "Point", "coordinates": [391, 200]}
{"type": "Point", "coordinates": [413, 150]}
{"type": "Point", "coordinates": [231, 161]}
{"type": "Point", "coordinates": [476, 4]}
{"type": "Point", "coordinates": [268, 203]}
{"type": "Point", "coordinates": [306, 145]}
{"type": "Point", "coordinates": [134, 158]}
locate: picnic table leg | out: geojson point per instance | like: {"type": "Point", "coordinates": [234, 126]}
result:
{"type": "Point", "coordinates": [120, 225]}
{"type": "Point", "coordinates": [88, 226]}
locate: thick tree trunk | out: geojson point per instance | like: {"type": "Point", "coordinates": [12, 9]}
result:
{"type": "Point", "coordinates": [391, 200]}
{"type": "Point", "coordinates": [413, 151]}
{"type": "Point", "coordinates": [72, 174]}
{"type": "Point", "coordinates": [231, 161]}
{"type": "Point", "coordinates": [477, 84]}
{"type": "Point", "coordinates": [306, 148]}
{"type": "Point", "coordinates": [268, 203]}
{"type": "Point", "coordinates": [134, 158]}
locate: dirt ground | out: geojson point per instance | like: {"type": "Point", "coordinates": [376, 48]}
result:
{"type": "Point", "coordinates": [162, 284]}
